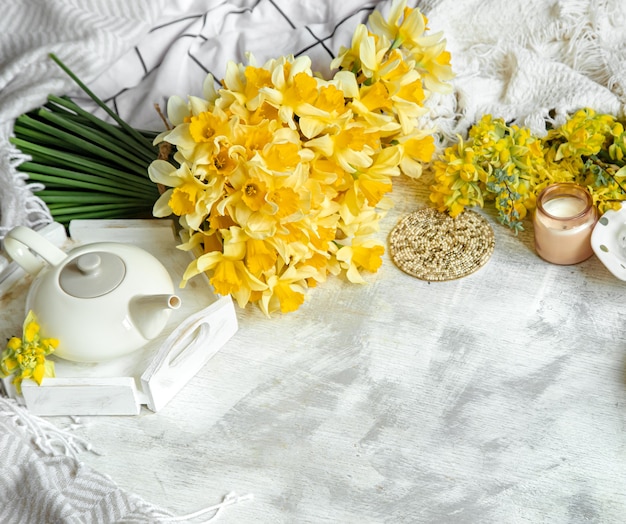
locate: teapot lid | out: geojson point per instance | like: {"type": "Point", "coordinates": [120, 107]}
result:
{"type": "Point", "coordinates": [92, 274]}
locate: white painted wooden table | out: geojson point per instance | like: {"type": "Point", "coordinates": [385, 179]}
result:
{"type": "Point", "coordinates": [500, 397]}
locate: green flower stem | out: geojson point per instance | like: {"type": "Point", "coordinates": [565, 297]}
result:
{"type": "Point", "coordinates": [81, 144]}
{"type": "Point", "coordinates": [108, 148]}
{"type": "Point", "coordinates": [75, 161]}
{"type": "Point", "coordinates": [89, 168]}
{"type": "Point", "coordinates": [74, 197]}
{"type": "Point", "coordinates": [602, 163]}
{"type": "Point", "coordinates": [32, 135]}
{"type": "Point", "coordinates": [91, 208]}
{"type": "Point", "coordinates": [145, 149]}
{"type": "Point", "coordinates": [149, 134]}
{"type": "Point", "coordinates": [94, 180]}
{"type": "Point", "coordinates": [131, 131]}
{"type": "Point", "coordinates": [59, 175]}
{"type": "Point", "coordinates": [61, 170]}
{"type": "Point", "coordinates": [58, 182]}
{"type": "Point", "coordinates": [86, 213]}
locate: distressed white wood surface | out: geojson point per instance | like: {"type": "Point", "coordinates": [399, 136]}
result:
{"type": "Point", "coordinates": [500, 397]}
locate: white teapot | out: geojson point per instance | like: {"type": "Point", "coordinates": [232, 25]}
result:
{"type": "Point", "coordinates": [100, 300]}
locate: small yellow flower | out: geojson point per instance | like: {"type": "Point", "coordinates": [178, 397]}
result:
{"type": "Point", "coordinates": [230, 274]}
{"type": "Point", "coordinates": [182, 201]}
{"type": "Point", "coordinates": [256, 78]}
{"type": "Point", "coordinates": [226, 279]}
{"type": "Point", "coordinates": [26, 357]}
{"type": "Point", "coordinates": [203, 127]}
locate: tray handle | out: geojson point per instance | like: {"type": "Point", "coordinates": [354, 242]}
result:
{"type": "Point", "coordinates": [186, 350]}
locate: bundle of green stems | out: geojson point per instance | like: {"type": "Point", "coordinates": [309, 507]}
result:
{"type": "Point", "coordinates": [90, 168]}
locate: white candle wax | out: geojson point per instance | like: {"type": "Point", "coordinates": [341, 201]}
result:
{"type": "Point", "coordinates": [564, 206]}
{"type": "Point", "coordinates": [563, 221]}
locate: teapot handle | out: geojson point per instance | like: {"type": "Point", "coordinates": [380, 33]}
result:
{"type": "Point", "coordinates": [21, 242]}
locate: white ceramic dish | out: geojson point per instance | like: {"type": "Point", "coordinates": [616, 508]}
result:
{"type": "Point", "coordinates": [608, 241]}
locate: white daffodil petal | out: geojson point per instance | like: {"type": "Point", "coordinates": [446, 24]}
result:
{"type": "Point", "coordinates": [161, 207]}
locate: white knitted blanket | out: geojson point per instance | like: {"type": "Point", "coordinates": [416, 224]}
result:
{"type": "Point", "coordinates": [533, 61]}
{"type": "Point", "coordinates": [42, 480]}
{"type": "Point", "coordinates": [88, 35]}
{"type": "Point", "coordinates": [529, 61]}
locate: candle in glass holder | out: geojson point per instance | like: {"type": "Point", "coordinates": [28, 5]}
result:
{"type": "Point", "coordinates": [564, 219]}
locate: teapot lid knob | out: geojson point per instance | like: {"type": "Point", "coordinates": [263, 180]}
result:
{"type": "Point", "coordinates": [92, 274]}
{"type": "Point", "coordinates": [89, 264]}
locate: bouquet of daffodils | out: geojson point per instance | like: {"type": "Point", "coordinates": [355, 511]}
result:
{"type": "Point", "coordinates": [279, 177]}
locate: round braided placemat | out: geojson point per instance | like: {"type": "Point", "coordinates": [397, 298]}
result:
{"type": "Point", "coordinates": [431, 245]}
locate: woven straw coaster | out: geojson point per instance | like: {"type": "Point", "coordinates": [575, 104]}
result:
{"type": "Point", "coordinates": [430, 245]}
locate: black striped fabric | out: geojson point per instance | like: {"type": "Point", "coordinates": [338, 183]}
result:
{"type": "Point", "coordinates": [177, 54]}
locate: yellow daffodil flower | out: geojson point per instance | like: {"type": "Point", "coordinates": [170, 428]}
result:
{"type": "Point", "coordinates": [188, 195]}
{"type": "Point", "coordinates": [403, 26]}
{"type": "Point", "coordinates": [230, 274]}
{"type": "Point", "coordinates": [286, 291]}
{"type": "Point", "coordinates": [362, 254]}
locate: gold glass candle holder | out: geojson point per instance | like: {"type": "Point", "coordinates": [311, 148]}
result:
{"type": "Point", "coordinates": [563, 221]}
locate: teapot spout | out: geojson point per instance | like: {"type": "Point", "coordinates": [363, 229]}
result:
{"type": "Point", "coordinates": [149, 313]}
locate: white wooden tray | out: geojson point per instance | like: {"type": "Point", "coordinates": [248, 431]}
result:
{"type": "Point", "coordinates": [151, 376]}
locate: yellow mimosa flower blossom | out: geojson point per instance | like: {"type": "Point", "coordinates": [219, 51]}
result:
{"type": "Point", "coordinates": [508, 165]}
{"type": "Point", "coordinates": [26, 357]}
